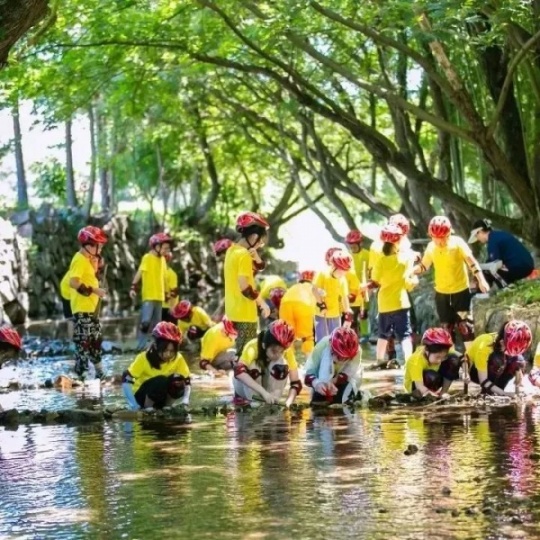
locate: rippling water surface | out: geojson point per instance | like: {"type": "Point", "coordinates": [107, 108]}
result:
{"type": "Point", "coordinates": [306, 475]}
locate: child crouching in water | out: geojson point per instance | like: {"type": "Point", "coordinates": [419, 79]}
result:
{"type": "Point", "coordinates": [158, 376]}
{"type": "Point", "coordinates": [265, 365]}
{"type": "Point", "coordinates": [333, 371]}
{"type": "Point", "coordinates": [432, 368]}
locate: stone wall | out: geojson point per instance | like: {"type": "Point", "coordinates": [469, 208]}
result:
{"type": "Point", "coordinates": [50, 239]}
{"type": "Point", "coordinates": [13, 274]}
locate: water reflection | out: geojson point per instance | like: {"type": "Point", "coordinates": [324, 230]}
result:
{"type": "Point", "coordinates": [305, 475]}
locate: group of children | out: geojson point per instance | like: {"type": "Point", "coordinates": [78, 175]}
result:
{"type": "Point", "coordinates": [325, 313]}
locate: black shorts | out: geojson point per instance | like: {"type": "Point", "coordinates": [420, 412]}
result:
{"type": "Point", "coordinates": [395, 324]}
{"type": "Point", "coordinates": [66, 309]}
{"type": "Point", "coordinates": [156, 389]}
{"type": "Point", "coordinates": [449, 305]}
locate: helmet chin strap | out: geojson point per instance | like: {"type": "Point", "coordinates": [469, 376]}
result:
{"type": "Point", "coordinates": [256, 241]}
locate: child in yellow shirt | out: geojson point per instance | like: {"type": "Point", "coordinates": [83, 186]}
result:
{"type": "Point", "coordinates": [152, 273]}
{"type": "Point", "coordinates": [217, 347]}
{"type": "Point", "coordinates": [193, 321]}
{"type": "Point", "coordinates": [333, 288]}
{"type": "Point", "coordinates": [158, 376]}
{"type": "Point", "coordinates": [171, 282]}
{"type": "Point", "coordinates": [450, 256]}
{"type": "Point", "coordinates": [241, 297]}
{"type": "Point", "coordinates": [359, 301]}
{"type": "Point", "coordinates": [495, 359]}
{"type": "Point", "coordinates": [297, 309]}
{"type": "Point", "coordinates": [432, 368]}
{"type": "Point", "coordinates": [84, 299]}
{"type": "Point", "coordinates": [393, 276]}
{"type": "Point", "coordinates": [265, 365]}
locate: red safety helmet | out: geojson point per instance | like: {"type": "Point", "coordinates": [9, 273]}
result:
{"type": "Point", "coordinates": [168, 331]}
{"type": "Point", "coordinates": [228, 327]}
{"type": "Point", "coordinates": [276, 295]}
{"type": "Point", "coordinates": [307, 275]}
{"type": "Point", "coordinates": [282, 333]}
{"type": "Point", "coordinates": [344, 343]}
{"type": "Point", "coordinates": [182, 309]}
{"type": "Point", "coordinates": [354, 237]}
{"type": "Point", "coordinates": [11, 336]}
{"type": "Point", "coordinates": [437, 336]}
{"type": "Point", "coordinates": [401, 221]}
{"type": "Point", "coordinates": [247, 219]}
{"type": "Point", "coordinates": [517, 338]}
{"type": "Point", "coordinates": [158, 239]}
{"type": "Point", "coordinates": [329, 253]}
{"type": "Point", "coordinates": [221, 246]}
{"type": "Point", "coordinates": [439, 227]}
{"type": "Point", "coordinates": [91, 235]}
{"type": "Point", "coordinates": [391, 233]}
{"type": "Point", "coordinates": [341, 260]}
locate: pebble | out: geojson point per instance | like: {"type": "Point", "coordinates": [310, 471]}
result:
{"type": "Point", "coordinates": [411, 449]}
{"type": "Point", "coordinates": [535, 456]}
{"type": "Point", "coordinates": [446, 491]}
{"type": "Point", "coordinates": [383, 511]}
{"type": "Point", "coordinates": [471, 511]}
{"type": "Point", "coordinates": [516, 520]}
{"type": "Point", "coordinates": [455, 513]}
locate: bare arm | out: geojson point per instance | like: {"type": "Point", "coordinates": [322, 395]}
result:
{"type": "Point", "coordinates": [255, 386]}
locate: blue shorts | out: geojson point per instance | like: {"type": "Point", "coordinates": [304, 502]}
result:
{"type": "Point", "coordinates": [396, 324]}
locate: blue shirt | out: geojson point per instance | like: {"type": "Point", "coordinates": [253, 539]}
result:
{"type": "Point", "coordinates": [505, 247]}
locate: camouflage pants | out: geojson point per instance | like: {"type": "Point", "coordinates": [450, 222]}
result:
{"type": "Point", "coordinates": [87, 338]}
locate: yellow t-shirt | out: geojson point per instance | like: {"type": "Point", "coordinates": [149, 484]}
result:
{"type": "Point", "coordinates": [153, 269]}
{"type": "Point", "coordinates": [537, 357]}
{"type": "Point", "coordinates": [449, 265]}
{"type": "Point", "coordinates": [375, 253]}
{"type": "Point", "coordinates": [171, 282]}
{"type": "Point", "coordinates": [82, 269]}
{"type": "Point", "coordinates": [65, 289]}
{"type": "Point", "coordinates": [238, 262]}
{"type": "Point", "coordinates": [269, 283]}
{"type": "Point", "coordinates": [301, 293]}
{"type": "Point", "coordinates": [214, 342]}
{"type": "Point", "coordinates": [250, 354]}
{"type": "Point", "coordinates": [361, 263]}
{"type": "Point", "coordinates": [141, 370]}
{"type": "Point", "coordinates": [199, 318]}
{"type": "Point", "coordinates": [392, 273]}
{"type": "Point", "coordinates": [414, 368]}
{"type": "Point", "coordinates": [353, 286]}
{"type": "Point", "coordinates": [480, 350]}
{"type": "Point", "coordinates": [335, 289]}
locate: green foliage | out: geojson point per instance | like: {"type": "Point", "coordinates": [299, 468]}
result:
{"type": "Point", "coordinates": [363, 108]}
{"type": "Point", "coordinates": [50, 181]}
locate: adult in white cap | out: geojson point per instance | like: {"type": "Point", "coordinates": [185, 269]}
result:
{"type": "Point", "coordinates": [508, 260]}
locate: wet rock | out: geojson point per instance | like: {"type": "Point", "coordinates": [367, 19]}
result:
{"type": "Point", "coordinates": [488, 511]}
{"type": "Point", "coordinates": [383, 511]}
{"type": "Point", "coordinates": [10, 416]}
{"type": "Point", "coordinates": [411, 450]}
{"type": "Point", "coordinates": [471, 511]}
{"type": "Point", "coordinates": [516, 520]}
{"type": "Point", "coordinates": [14, 385]}
{"type": "Point", "coordinates": [454, 513]}
{"type": "Point", "coordinates": [441, 510]}
{"type": "Point", "coordinates": [80, 416]}
{"type": "Point", "coordinates": [48, 383]}
{"type": "Point", "coordinates": [446, 491]}
{"type": "Point", "coordinates": [535, 456]}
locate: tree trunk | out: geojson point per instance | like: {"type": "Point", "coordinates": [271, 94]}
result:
{"type": "Point", "coordinates": [22, 189]}
{"type": "Point", "coordinates": [104, 173]}
{"type": "Point", "coordinates": [16, 18]}
{"type": "Point", "coordinates": [93, 164]}
{"type": "Point", "coordinates": [70, 176]}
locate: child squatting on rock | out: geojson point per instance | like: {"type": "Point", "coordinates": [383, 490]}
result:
{"type": "Point", "coordinates": [158, 376]}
